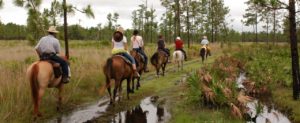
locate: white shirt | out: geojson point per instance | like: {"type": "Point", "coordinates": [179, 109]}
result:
{"type": "Point", "coordinates": [48, 44]}
{"type": "Point", "coordinates": [121, 44]}
{"type": "Point", "coordinates": [137, 41]}
{"type": "Point", "coordinates": [204, 42]}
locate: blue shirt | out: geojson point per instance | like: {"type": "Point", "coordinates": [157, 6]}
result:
{"type": "Point", "coordinates": [48, 44]}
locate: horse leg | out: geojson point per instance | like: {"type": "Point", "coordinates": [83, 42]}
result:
{"type": "Point", "coordinates": [132, 85]}
{"type": "Point", "coordinates": [163, 68]}
{"type": "Point", "coordinates": [128, 87]}
{"type": "Point", "coordinates": [108, 86]}
{"type": "Point", "coordinates": [138, 83]}
{"type": "Point", "coordinates": [120, 91]}
{"type": "Point", "coordinates": [41, 92]}
{"type": "Point", "coordinates": [117, 82]}
{"type": "Point", "coordinates": [59, 102]}
{"type": "Point", "coordinates": [157, 70]}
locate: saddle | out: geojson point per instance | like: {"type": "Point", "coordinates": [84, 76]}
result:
{"type": "Point", "coordinates": [143, 58]}
{"type": "Point", "coordinates": [123, 57]}
{"type": "Point", "coordinates": [165, 53]}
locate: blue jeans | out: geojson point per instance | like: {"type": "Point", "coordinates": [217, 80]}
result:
{"type": "Point", "coordinates": [129, 57]}
{"type": "Point", "coordinates": [143, 53]}
{"type": "Point", "coordinates": [63, 64]}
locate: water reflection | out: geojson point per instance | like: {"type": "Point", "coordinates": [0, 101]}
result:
{"type": "Point", "coordinates": [146, 112]}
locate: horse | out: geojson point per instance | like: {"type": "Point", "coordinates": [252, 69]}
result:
{"type": "Point", "coordinates": [159, 60]}
{"type": "Point", "coordinates": [41, 76]}
{"type": "Point", "coordinates": [117, 69]}
{"type": "Point", "coordinates": [140, 68]}
{"type": "Point", "coordinates": [204, 52]}
{"type": "Point", "coordinates": [178, 58]}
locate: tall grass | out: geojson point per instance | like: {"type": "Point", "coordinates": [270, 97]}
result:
{"type": "Point", "coordinates": [87, 59]}
{"type": "Point", "coordinates": [15, 98]}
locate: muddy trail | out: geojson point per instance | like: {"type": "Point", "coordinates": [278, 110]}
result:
{"type": "Point", "coordinates": [150, 109]}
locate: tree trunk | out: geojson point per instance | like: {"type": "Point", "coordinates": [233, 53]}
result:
{"type": "Point", "coordinates": [188, 22]}
{"type": "Point", "coordinates": [274, 26]}
{"type": "Point", "coordinates": [294, 49]}
{"type": "Point", "coordinates": [66, 29]}
{"type": "Point", "coordinates": [256, 37]}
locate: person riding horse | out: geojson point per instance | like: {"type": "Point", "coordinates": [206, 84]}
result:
{"type": "Point", "coordinates": [119, 44]}
{"type": "Point", "coordinates": [138, 45]}
{"type": "Point", "coordinates": [205, 43]}
{"type": "Point", "coordinates": [161, 45]}
{"type": "Point", "coordinates": [48, 48]}
{"type": "Point", "coordinates": [179, 46]}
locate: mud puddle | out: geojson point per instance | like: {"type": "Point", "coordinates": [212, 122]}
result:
{"type": "Point", "coordinates": [150, 110]}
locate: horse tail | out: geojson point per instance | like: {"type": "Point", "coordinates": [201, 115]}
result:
{"type": "Point", "coordinates": [202, 52]}
{"type": "Point", "coordinates": [154, 58]}
{"type": "Point", "coordinates": [34, 83]}
{"type": "Point", "coordinates": [109, 67]}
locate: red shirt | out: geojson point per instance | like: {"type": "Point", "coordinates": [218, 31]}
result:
{"type": "Point", "coordinates": [179, 44]}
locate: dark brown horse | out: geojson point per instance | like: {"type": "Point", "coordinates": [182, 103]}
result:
{"type": "Point", "coordinates": [140, 68]}
{"type": "Point", "coordinates": [159, 60]}
{"type": "Point", "coordinates": [117, 69]}
{"type": "Point", "coordinates": [204, 52]}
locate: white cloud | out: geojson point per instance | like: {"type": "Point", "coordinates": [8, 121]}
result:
{"type": "Point", "coordinates": [11, 13]}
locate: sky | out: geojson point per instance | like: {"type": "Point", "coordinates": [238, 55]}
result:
{"type": "Point", "coordinates": [11, 13]}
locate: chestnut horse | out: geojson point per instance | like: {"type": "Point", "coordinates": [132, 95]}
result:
{"type": "Point", "coordinates": [159, 60]}
{"type": "Point", "coordinates": [117, 69]}
{"type": "Point", "coordinates": [140, 68]}
{"type": "Point", "coordinates": [41, 76]}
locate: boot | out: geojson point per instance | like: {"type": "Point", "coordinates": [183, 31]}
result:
{"type": "Point", "coordinates": [135, 72]}
{"type": "Point", "coordinates": [146, 69]}
{"type": "Point", "coordinates": [65, 79]}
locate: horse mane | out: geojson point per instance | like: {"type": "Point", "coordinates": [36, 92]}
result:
{"type": "Point", "coordinates": [34, 83]}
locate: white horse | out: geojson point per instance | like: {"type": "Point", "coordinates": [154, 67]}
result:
{"type": "Point", "coordinates": [178, 58]}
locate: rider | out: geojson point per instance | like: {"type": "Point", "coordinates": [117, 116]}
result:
{"type": "Point", "coordinates": [205, 43]}
{"type": "Point", "coordinates": [49, 48]}
{"type": "Point", "coordinates": [119, 44]}
{"type": "Point", "coordinates": [179, 46]}
{"type": "Point", "coordinates": [138, 46]}
{"type": "Point", "coordinates": [161, 45]}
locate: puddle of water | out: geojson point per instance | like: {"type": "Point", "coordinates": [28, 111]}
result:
{"type": "Point", "coordinates": [83, 114]}
{"type": "Point", "coordinates": [146, 112]}
{"type": "Point", "coordinates": [267, 115]}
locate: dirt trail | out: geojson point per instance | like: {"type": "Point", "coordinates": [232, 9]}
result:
{"type": "Point", "coordinates": [101, 111]}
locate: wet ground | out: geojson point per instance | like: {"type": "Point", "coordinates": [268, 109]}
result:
{"type": "Point", "coordinates": [150, 110]}
{"type": "Point", "coordinates": [258, 111]}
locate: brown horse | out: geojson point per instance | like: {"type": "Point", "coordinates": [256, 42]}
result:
{"type": "Point", "coordinates": [41, 76]}
{"type": "Point", "coordinates": [140, 67]}
{"type": "Point", "coordinates": [204, 52]}
{"type": "Point", "coordinates": [117, 69]}
{"type": "Point", "coordinates": [159, 60]}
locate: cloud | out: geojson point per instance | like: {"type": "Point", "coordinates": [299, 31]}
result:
{"type": "Point", "coordinates": [11, 13]}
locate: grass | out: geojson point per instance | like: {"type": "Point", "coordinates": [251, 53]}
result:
{"type": "Point", "coordinates": [87, 59]}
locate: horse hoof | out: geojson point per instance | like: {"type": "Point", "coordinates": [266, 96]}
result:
{"type": "Point", "coordinates": [39, 115]}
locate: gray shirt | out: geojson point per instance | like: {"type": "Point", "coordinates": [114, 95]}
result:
{"type": "Point", "coordinates": [48, 44]}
